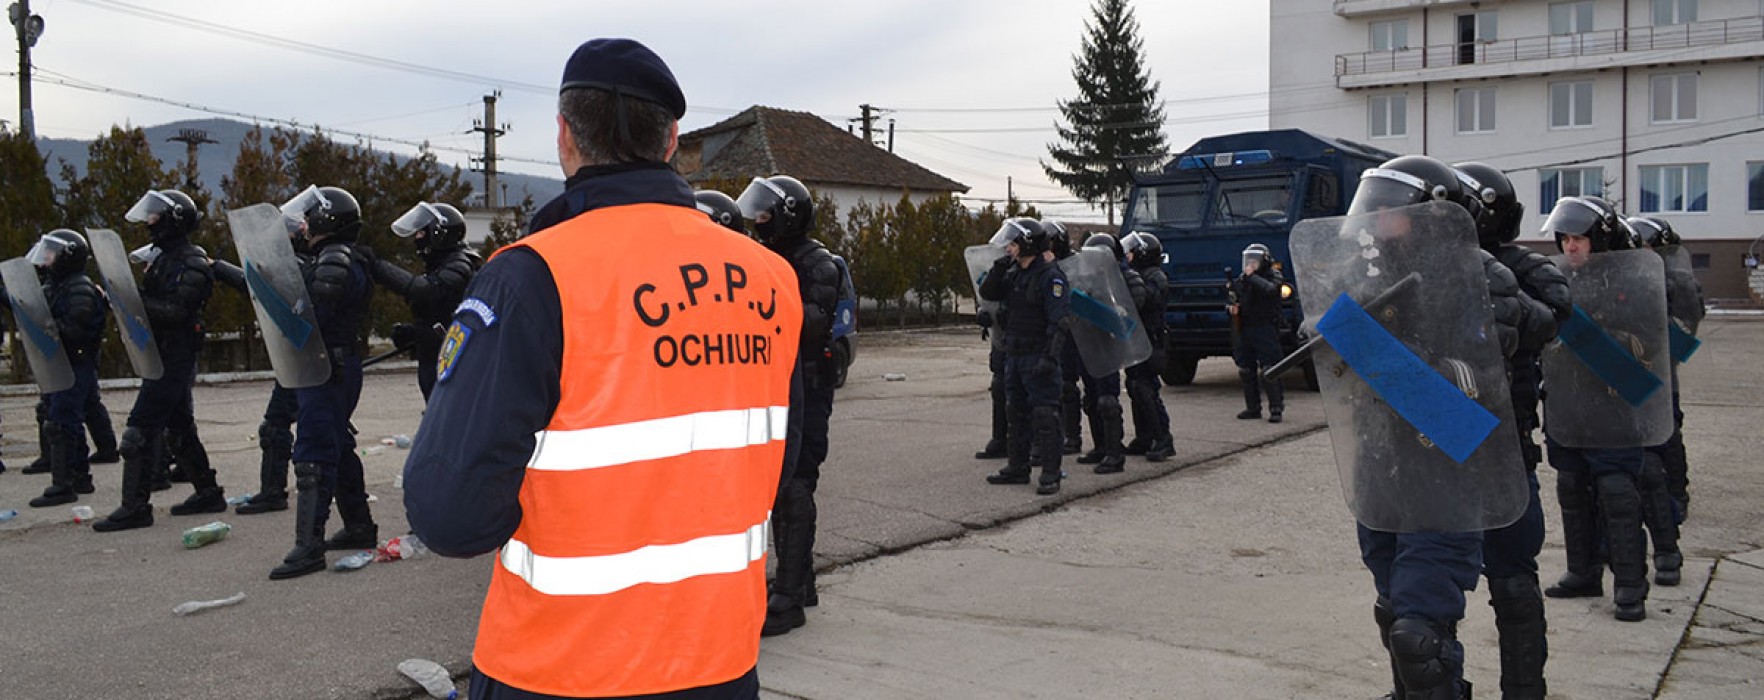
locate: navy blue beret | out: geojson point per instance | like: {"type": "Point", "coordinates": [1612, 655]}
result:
{"type": "Point", "coordinates": [625, 67]}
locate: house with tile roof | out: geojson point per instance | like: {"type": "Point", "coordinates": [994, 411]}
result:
{"type": "Point", "coordinates": [762, 141]}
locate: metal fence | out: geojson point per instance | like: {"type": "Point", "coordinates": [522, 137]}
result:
{"type": "Point", "coordinates": [1611, 41]}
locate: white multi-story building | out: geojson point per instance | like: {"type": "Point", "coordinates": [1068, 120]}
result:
{"type": "Point", "coordinates": [1655, 104]}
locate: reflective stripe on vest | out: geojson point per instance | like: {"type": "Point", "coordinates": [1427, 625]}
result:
{"type": "Point", "coordinates": [605, 446]}
{"type": "Point", "coordinates": [661, 563]}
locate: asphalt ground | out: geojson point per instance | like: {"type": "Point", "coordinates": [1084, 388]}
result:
{"type": "Point", "coordinates": [1230, 570]}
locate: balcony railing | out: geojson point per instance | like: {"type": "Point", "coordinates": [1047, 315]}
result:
{"type": "Point", "coordinates": [1611, 41]}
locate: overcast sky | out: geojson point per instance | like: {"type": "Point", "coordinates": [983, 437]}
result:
{"type": "Point", "coordinates": [938, 64]}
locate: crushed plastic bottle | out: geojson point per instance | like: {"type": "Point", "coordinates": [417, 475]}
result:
{"type": "Point", "coordinates": [83, 514]}
{"type": "Point", "coordinates": [401, 547]}
{"type": "Point", "coordinates": [358, 560]}
{"type": "Point", "coordinates": [196, 606]}
{"type": "Point", "coordinates": [240, 499]}
{"type": "Point", "coordinates": [372, 450]}
{"type": "Point", "coordinates": [431, 676]}
{"type": "Point", "coordinates": [894, 377]}
{"type": "Point", "coordinates": [7, 514]}
{"type": "Point", "coordinates": [399, 441]}
{"type": "Point", "coordinates": [204, 535]}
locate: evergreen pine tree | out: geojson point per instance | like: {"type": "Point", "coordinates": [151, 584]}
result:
{"type": "Point", "coordinates": [1116, 114]}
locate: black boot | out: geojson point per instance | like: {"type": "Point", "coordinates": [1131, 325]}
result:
{"type": "Point", "coordinates": [310, 510]}
{"type": "Point", "coordinates": [272, 475]}
{"type": "Point", "coordinates": [1276, 399]}
{"type": "Point", "coordinates": [1071, 419]}
{"type": "Point", "coordinates": [40, 465]}
{"type": "Point", "coordinates": [796, 559]}
{"type": "Point", "coordinates": [1625, 544]}
{"type": "Point", "coordinates": [1097, 438]}
{"type": "Point", "coordinates": [61, 471]}
{"type": "Point", "coordinates": [1660, 515]}
{"type": "Point", "coordinates": [1420, 649]}
{"type": "Point", "coordinates": [1252, 394]}
{"type": "Point", "coordinates": [136, 510]}
{"type": "Point", "coordinates": [1384, 615]}
{"type": "Point", "coordinates": [1580, 538]}
{"type": "Point", "coordinates": [1114, 461]}
{"type": "Point", "coordinates": [995, 449]}
{"type": "Point", "coordinates": [359, 530]}
{"type": "Point", "coordinates": [1017, 446]}
{"type": "Point", "coordinates": [1047, 432]}
{"type": "Point", "coordinates": [1519, 619]}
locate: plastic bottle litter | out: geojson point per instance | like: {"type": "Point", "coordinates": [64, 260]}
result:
{"type": "Point", "coordinates": [399, 441]}
{"type": "Point", "coordinates": [401, 547]}
{"type": "Point", "coordinates": [373, 450]}
{"type": "Point", "coordinates": [83, 514]}
{"type": "Point", "coordinates": [894, 377]}
{"type": "Point", "coordinates": [431, 676]}
{"type": "Point", "coordinates": [204, 535]}
{"type": "Point", "coordinates": [358, 560]}
{"type": "Point", "coordinates": [7, 514]}
{"type": "Point", "coordinates": [240, 499]}
{"type": "Point", "coordinates": [398, 481]}
{"type": "Point", "coordinates": [196, 606]}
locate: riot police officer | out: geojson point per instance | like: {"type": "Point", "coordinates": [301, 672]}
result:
{"type": "Point", "coordinates": [1509, 554]}
{"type": "Point", "coordinates": [275, 434]}
{"type": "Point", "coordinates": [1102, 395]}
{"type": "Point", "coordinates": [78, 308]}
{"type": "Point", "coordinates": [1151, 421]}
{"type": "Point", "coordinates": [1596, 487]}
{"type": "Point", "coordinates": [1664, 480]}
{"type": "Point", "coordinates": [721, 208]}
{"type": "Point", "coordinates": [439, 232]}
{"type": "Point", "coordinates": [1035, 290]}
{"type": "Point", "coordinates": [325, 222]}
{"type": "Point", "coordinates": [783, 214]}
{"type": "Point", "coordinates": [1059, 249]}
{"type": "Point", "coordinates": [1257, 293]}
{"type": "Point", "coordinates": [174, 291]}
{"type": "Point", "coordinates": [1421, 576]}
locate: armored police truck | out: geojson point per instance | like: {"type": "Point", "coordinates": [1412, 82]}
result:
{"type": "Point", "coordinates": [1218, 197]}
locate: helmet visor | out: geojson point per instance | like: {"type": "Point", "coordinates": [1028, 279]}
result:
{"type": "Point", "coordinates": [43, 253]}
{"type": "Point", "coordinates": [419, 218]}
{"type": "Point", "coordinates": [760, 198]}
{"type": "Point", "coordinates": [144, 255]}
{"type": "Point", "coordinates": [1574, 217]}
{"type": "Point", "coordinates": [1009, 232]}
{"type": "Point", "coordinates": [308, 200]}
{"type": "Point", "coordinates": [1134, 243]}
{"type": "Point", "coordinates": [1382, 188]}
{"type": "Point", "coordinates": [149, 208]}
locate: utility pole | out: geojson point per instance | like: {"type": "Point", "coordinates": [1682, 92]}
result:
{"type": "Point", "coordinates": [192, 140]}
{"type": "Point", "coordinates": [492, 194]}
{"type": "Point", "coordinates": [867, 125]}
{"type": "Point", "coordinates": [28, 28]}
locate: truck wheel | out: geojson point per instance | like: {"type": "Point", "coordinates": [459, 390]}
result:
{"type": "Point", "coordinates": [1179, 370]}
{"type": "Point", "coordinates": [1310, 370]}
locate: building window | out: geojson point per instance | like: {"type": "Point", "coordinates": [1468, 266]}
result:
{"type": "Point", "coordinates": [1475, 28]}
{"type": "Point", "coordinates": [1755, 186]}
{"type": "Point", "coordinates": [1674, 188]}
{"type": "Point", "coordinates": [1476, 110]}
{"type": "Point", "coordinates": [1571, 17]}
{"type": "Point", "coordinates": [1556, 183]}
{"type": "Point", "coordinates": [1674, 12]}
{"type": "Point", "coordinates": [1699, 261]}
{"type": "Point", "coordinates": [1571, 104]}
{"type": "Point", "coordinates": [1389, 115]}
{"type": "Point", "coordinates": [1390, 36]}
{"type": "Point", "coordinates": [1674, 97]}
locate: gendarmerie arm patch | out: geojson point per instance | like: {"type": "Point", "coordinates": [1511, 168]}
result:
{"type": "Point", "coordinates": [451, 347]}
{"type": "Point", "coordinates": [1059, 289]}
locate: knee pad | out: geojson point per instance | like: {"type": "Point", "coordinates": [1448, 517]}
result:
{"type": "Point", "coordinates": [1421, 649]}
{"type": "Point", "coordinates": [307, 475]}
{"type": "Point", "coordinates": [134, 443]}
{"type": "Point", "coordinates": [1109, 405]}
{"type": "Point", "coordinates": [1248, 375]}
{"type": "Point", "coordinates": [799, 502]}
{"type": "Point", "coordinates": [271, 435]}
{"type": "Point", "coordinates": [1046, 417]}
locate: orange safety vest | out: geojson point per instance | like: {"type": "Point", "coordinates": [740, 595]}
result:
{"type": "Point", "coordinates": [639, 563]}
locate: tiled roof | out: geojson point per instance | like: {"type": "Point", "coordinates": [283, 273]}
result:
{"type": "Point", "coordinates": [765, 141]}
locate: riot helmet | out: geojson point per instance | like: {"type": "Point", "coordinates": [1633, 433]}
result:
{"type": "Point", "coordinates": [1258, 254]}
{"type": "Point", "coordinates": [323, 211]}
{"type": "Point", "coordinates": [780, 207]}
{"type": "Point", "coordinates": [1029, 235]}
{"type": "Point", "coordinates": [60, 252]}
{"type": "Point", "coordinates": [1146, 249]}
{"type": "Point", "coordinates": [721, 208]}
{"type": "Point", "coordinates": [1654, 232]}
{"type": "Point", "coordinates": [1408, 180]}
{"type": "Point", "coordinates": [1593, 218]}
{"type": "Point", "coordinates": [169, 214]}
{"type": "Point", "coordinates": [1502, 210]}
{"type": "Point", "coordinates": [1106, 242]}
{"type": "Point", "coordinates": [437, 227]}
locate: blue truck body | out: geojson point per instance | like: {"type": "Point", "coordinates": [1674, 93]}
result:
{"type": "Point", "coordinates": [1219, 196]}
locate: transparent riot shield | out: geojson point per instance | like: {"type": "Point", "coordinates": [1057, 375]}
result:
{"type": "Point", "coordinates": [278, 294]}
{"type": "Point", "coordinates": [36, 326]}
{"type": "Point", "coordinates": [1106, 327]}
{"type": "Point", "coordinates": [1607, 376]}
{"type": "Point", "coordinates": [1684, 302]}
{"type": "Point", "coordinates": [1414, 385]}
{"type": "Point", "coordinates": [979, 259]}
{"type": "Point", "coordinates": [125, 302]}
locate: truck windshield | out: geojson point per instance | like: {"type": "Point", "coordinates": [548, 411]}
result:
{"type": "Point", "coordinates": [1170, 206]}
{"type": "Point", "coordinates": [1262, 200]}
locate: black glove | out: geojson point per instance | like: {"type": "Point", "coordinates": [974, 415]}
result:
{"type": "Point", "coordinates": [404, 336]}
{"type": "Point", "coordinates": [367, 255]}
{"type": "Point", "coordinates": [984, 318]}
{"type": "Point", "coordinates": [1048, 366]}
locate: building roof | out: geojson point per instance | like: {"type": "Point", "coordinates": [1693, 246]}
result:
{"type": "Point", "coordinates": [765, 141]}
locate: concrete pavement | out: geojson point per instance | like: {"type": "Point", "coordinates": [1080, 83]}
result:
{"type": "Point", "coordinates": [1230, 570]}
